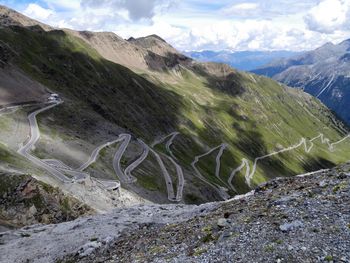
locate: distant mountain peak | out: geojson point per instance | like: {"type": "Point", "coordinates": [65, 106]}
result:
{"type": "Point", "coordinates": [327, 45]}
{"type": "Point", "coordinates": [155, 44]}
{"type": "Point", "coordinates": [147, 38]}
{"type": "Point", "coordinates": [322, 72]}
{"type": "Point", "coordinates": [156, 37]}
{"type": "Point", "coordinates": [330, 44]}
{"type": "Point", "coordinates": [130, 39]}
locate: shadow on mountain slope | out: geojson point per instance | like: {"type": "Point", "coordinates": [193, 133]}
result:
{"type": "Point", "coordinates": [274, 167]}
{"type": "Point", "coordinates": [160, 63]}
{"type": "Point", "coordinates": [84, 79]}
{"type": "Point", "coordinates": [221, 77]}
{"type": "Point", "coordinates": [317, 163]}
{"type": "Point", "coordinates": [251, 143]}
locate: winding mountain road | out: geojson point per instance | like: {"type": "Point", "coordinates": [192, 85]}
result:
{"type": "Point", "coordinates": [234, 172]}
{"type": "Point", "coordinates": [179, 171]}
{"type": "Point", "coordinates": [170, 142]}
{"type": "Point", "coordinates": [14, 108]}
{"type": "Point", "coordinates": [303, 142]}
{"type": "Point", "coordinates": [168, 181]}
{"type": "Point", "coordinates": [35, 135]}
{"type": "Point", "coordinates": [34, 128]}
{"type": "Point", "coordinates": [250, 171]}
{"type": "Point", "coordinates": [136, 163]}
{"type": "Point", "coordinates": [117, 158]}
{"type": "Point", "coordinates": [55, 167]}
{"type": "Point", "coordinates": [181, 180]}
{"type": "Point", "coordinates": [60, 170]}
{"type": "Point", "coordinates": [161, 140]}
{"type": "Point", "coordinates": [126, 176]}
{"type": "Point", "coordinates": [218, 160]}
{"type": "Point", "coordinates": [95, 153]}
{"type": "Point", "coordinates": [220, 190]}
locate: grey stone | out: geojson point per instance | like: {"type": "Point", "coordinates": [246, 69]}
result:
{"type": "Point", "coordinates": [222, 222]}
{"type": "Point", "coordinates": [323, 183]}
{"type": "Point", "coordinates": [292, 225]}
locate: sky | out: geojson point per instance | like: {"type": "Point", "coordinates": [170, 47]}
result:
{"type": "Point", "coordinates": [203, 24]}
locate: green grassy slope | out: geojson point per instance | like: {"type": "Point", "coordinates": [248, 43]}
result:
{"type": "Point", "coordinates": [253, 115]}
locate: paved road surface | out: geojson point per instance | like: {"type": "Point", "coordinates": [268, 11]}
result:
{"type": "Point", "coordinates": [58, 169]}
{"type": "Point", "coordinates": [169, 143]}
{"type": "Point", "coordinates": [118, 156]}
{"type": "Point", "coordinates": [35, 135]}
{"type": "Point", "coordinates": [303, 142]}
{"type": "Point", "coordinates": [172, 158]}
{"type": "Point", "coordinates": [55, 167]}
{"type": "Point", "coordinates": [95, 153]}
{"type": "Point", "coordinates": [135, 164]}
{"type": "Point", "coordinates": [222, 193]}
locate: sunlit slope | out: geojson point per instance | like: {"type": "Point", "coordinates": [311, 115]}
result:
{"type": "Point", "coordinates": [210, 105]}
{"type": "Point", "coordinates": [262, 118]}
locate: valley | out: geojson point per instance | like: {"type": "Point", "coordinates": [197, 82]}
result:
{"type": "Point", "coordinates": [168, 129]}
{"type": "Point", "coordinates": [59, 169]}
{"type": "Point", "coordinates": [117, 148]}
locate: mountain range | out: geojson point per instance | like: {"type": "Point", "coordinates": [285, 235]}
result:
{"type": "Point", "coordinates": [127, 150]}
{"type": "Point", "coordinates": [323, 72]}
{"type": "Point", "coordinates": [242, 60]}
{"type": "Point", "coordinates": [138, 112]}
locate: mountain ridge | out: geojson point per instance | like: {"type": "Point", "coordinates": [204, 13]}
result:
{"type": "Point", "coordinates": [322, 73]}
{"type": "Point", "coordinates": [242, 60]}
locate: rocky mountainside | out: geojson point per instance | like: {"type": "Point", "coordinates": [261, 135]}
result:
{"type": "Point", "coordinates": [169, 128]}
{"type": "Point", "coordinates": [300, 219]}
{"type": "Point", "coordinates": [324, 73]}
{"type": "Point", "coordinates": [155, 44]}
{"type": "Point", "coordinates": [140, 55]}
{"type": "Point", "coordinates": [242, 60]}
{"type": "Point", "coordinates": [26, 201]}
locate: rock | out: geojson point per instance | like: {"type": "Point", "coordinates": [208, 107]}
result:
{"type": "Point", "coordinates": [290, 226]}
{"type": "Point", "coordinates": [89, 248]}
{"type": "Point", "coordinates": [32, 211]}
{"type": "Point", "coordinates": [323, 183]}
{"type": "Point", "coordinates": [45, 219]}
{"type": "Point", "coordinates": [28, 201]}
{"type": "Point", "coordinates": [222, 222]}
{"type": "Point", "coordinates": [225, 235]}
{"type": "Point", "coordinates": [251, 232]}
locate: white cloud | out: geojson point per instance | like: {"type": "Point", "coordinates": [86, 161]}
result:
{"type": "Point", "coordinates": [63, 4]}
{"type": "Point", "coordinates": [137, 9]}
{"type": "Point", "coordinates": [243, 9]}
{"type": "Point", "coordinates": [207, 24]}
{"type": "Point", "coordinates": [246, 6]}
{"type": "Point", "coordinates": [37, 12]}
{"type": "Point", "coordinates": [328, 16]}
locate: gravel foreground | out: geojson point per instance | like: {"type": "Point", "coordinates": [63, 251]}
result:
{"type": "Point", "coordinates": [300, 219]}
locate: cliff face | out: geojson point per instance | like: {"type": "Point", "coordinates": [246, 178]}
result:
{"type": "Point", "coordinates": [300, 219]}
